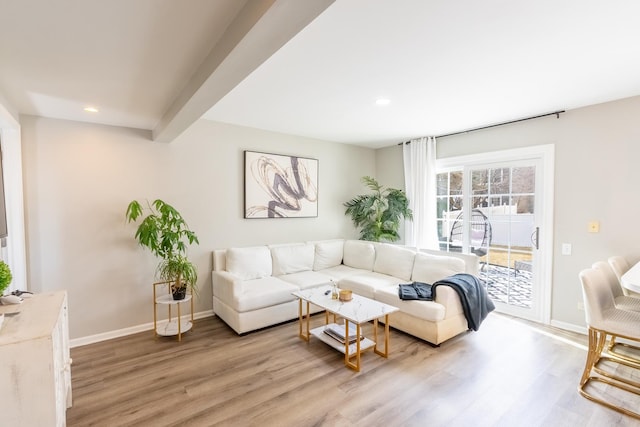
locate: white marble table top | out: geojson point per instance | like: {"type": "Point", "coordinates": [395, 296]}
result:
{"type": "Point", "coordinates": [631, 279]}
{"type": "Point", "coordinates": [359, 310]}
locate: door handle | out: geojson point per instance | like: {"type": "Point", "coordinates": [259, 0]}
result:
{"type": "Point", "coordinates": [535, 238]}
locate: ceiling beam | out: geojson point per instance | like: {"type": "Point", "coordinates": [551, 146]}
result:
{"type": "Point", "coordinates": [259, 30]}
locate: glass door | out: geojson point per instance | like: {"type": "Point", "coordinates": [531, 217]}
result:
{"type": "Point", "coordinates": [492, 210]}
{"type": "Point", "coordinates": [503, 204]}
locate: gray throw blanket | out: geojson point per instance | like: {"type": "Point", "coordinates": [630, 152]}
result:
{"type": "Point", "coordinates": [415, 291]}
{"type": "Point", "coordinates": [476, 303]}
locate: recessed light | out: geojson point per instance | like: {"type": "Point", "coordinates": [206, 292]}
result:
{"type": "Point", "coordinates": [90, 109]}
{"type": "Point", "coordinates": [382, 101]}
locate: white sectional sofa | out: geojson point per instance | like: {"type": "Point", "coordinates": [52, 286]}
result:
{"type": "Point", "coordinates": [252, 286]}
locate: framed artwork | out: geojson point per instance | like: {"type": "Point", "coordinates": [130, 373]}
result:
{"type": "Point", "coordinates": [279, 186]}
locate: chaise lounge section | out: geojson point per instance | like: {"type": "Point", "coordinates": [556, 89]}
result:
{"type": "Point", "coordinates": [252, 286]}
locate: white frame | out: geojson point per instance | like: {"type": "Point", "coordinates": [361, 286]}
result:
{"type": "Point", "coordinates": [280, 186]}
{"type": "Point", "coordinates": [545, 184]}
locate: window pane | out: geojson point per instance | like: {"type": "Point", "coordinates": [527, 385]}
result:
{"type": "Point", "coordinates": [499, 181]}
{"type": "Point", "coordinates": [455, 203]}
{"type": "Point", "coordinates": [442, 206]}
{"type": "Point", "coordinates": [478, 202]}
{"type": "Point", "coordinates": [525, 204]}
{"type": "Point", "coordinates": [442, 184]}
{"type": "Point", "coordinates": [479, 182]}
{"type": "Point", "coordinates": [455, 183]}
{"type": "Point", "coordinates": [524, 180]}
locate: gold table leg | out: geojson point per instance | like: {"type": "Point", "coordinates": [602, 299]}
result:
{"type": "Point", "coordinates": [348, 363]}
{"type": "Point", "coordinates": [301, 321]}
{"type": "Point", "coordinates": [384, 353]}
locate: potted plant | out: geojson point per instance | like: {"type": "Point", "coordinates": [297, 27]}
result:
{"type": "Point", "coordinates": [5, 277]}
{"type": "Point", "coordinates": [166, 234]}
{"type": "Point", "coordinates": [378, 214]}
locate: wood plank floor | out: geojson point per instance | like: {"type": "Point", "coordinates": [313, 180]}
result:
{"type": "Point", "coordinates": [509, 373]}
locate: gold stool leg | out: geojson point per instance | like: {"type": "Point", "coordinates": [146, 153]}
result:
{"type": "Point", "coordinates": [597, 341]}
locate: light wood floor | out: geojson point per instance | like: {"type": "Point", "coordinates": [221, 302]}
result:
{"type": "Point", "coordinates": [509, 373]}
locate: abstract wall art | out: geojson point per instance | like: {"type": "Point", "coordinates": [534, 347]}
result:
{"type": "Point", "coordinates": [280, 186]}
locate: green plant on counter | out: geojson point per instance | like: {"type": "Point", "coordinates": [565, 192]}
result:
{"type": "Point", "coordinates": [5, 276]}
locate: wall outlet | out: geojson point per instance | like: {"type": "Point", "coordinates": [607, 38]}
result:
{"type": "Point", "coordinates": [566, 249]}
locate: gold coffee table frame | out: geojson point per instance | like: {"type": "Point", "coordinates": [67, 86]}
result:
{"type": "Point", "coordinates": [342, 309]}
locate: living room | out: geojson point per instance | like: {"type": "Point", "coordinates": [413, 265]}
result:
{"type": "Point", "coordinates": [78, 177]}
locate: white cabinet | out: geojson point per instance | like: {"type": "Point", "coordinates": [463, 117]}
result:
{"type": "Point", "coordinates": [35, 363]}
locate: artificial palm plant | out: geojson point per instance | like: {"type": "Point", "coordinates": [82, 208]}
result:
{"type": "Point", "coordinates": [166, 234]}
{"type": "Point", "coordinates": [378, 214]}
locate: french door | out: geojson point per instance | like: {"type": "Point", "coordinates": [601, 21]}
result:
{"type": "Point", "coordinates": [494, 206]}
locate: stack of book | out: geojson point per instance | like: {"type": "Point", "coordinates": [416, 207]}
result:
{"type": "Point", "coordinates": [337, 332]}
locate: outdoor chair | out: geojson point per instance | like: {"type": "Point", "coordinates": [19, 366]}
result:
{"type": "Point", "coordinates": [480, 233]}
{"type": "Point", "coordinates": [605, 320]}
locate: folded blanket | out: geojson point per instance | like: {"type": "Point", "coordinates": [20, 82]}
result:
{"type": "Point", "coordinates": [473, 296]}
{"type": "Point", "coordinates": [415, 291]}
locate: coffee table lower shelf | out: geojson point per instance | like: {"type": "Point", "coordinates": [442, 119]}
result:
{"type": "Point", "coordinates": [365, 343]}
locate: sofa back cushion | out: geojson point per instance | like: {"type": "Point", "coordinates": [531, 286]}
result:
{"type": "Point", "coordinates": [394, 260]}
{"type": "Point", "coordinates": [249, 263]}
{"type": "Point", "coordinates": [431, 268]}
{"type": "Point", "coordinates": [359, 254]}
{"type": "Point", "coordinates": [328, 253]}
{"type": "Point", "coordinates": [292, 258]}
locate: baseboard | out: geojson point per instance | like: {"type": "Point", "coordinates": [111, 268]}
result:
{"type": "Point", "coordinates": [91, 339]}
{"type": "Point", "coordinates": [569, 327]}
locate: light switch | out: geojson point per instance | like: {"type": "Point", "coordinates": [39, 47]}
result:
{"type": "Point", "coordinates": [594, 227]}
{"type": "Point", "coordinates": [566, 249]}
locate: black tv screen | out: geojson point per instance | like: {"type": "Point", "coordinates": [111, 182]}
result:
{"type": "Point", "coordinates": [3, 207]}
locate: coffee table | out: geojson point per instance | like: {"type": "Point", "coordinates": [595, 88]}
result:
{"type": "Point", "coordinates": [355, 312]}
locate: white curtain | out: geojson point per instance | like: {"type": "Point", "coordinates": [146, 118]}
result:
{"type": "Point", "coordinates": [420, 184]}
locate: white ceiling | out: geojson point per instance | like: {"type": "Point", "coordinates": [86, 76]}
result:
{"type": "Point", "coordinates": [446, 66]}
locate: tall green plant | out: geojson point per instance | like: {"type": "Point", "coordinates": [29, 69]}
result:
{"type": "Point", "coordinates": [166, 234]}
{"type": "Point", "coordinates": [378, 214]}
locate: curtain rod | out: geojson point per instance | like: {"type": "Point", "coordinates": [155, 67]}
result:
{"type": "Point", "coordinates": [555, 113]}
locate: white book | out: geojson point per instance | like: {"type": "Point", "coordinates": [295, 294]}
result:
{"type": "Point", "coordinates": [338, 332]}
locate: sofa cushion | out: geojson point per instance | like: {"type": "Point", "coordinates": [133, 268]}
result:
{"type": "Point", "coordinates": [292, 258]}
{"type": "Point", "coordinates": [365, 283]}
{"type": "Point", "coordinates": [431, 268]}
{"type": "Point", "coordinates": [264, 292]}
{"type": "Point", "coordinates": [306, 279]}
{"type": "Point", "coordinates": [359, 254]}
{"type": "Point", "coordinates": [249, 263]}
{"type": "Point", "coordinates": [427, 310]}
{"type": "Point", "coordinates": [394, 260]}
{"type": "Point", "coordinates": [340, 271]}
{"type": "Point", "coordinates": [328, 254]}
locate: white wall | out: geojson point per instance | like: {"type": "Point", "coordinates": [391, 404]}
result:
{"type": "Point", "coordinates": [597, 154]}
{"type": "Point", "coordinates": [80, 177]}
